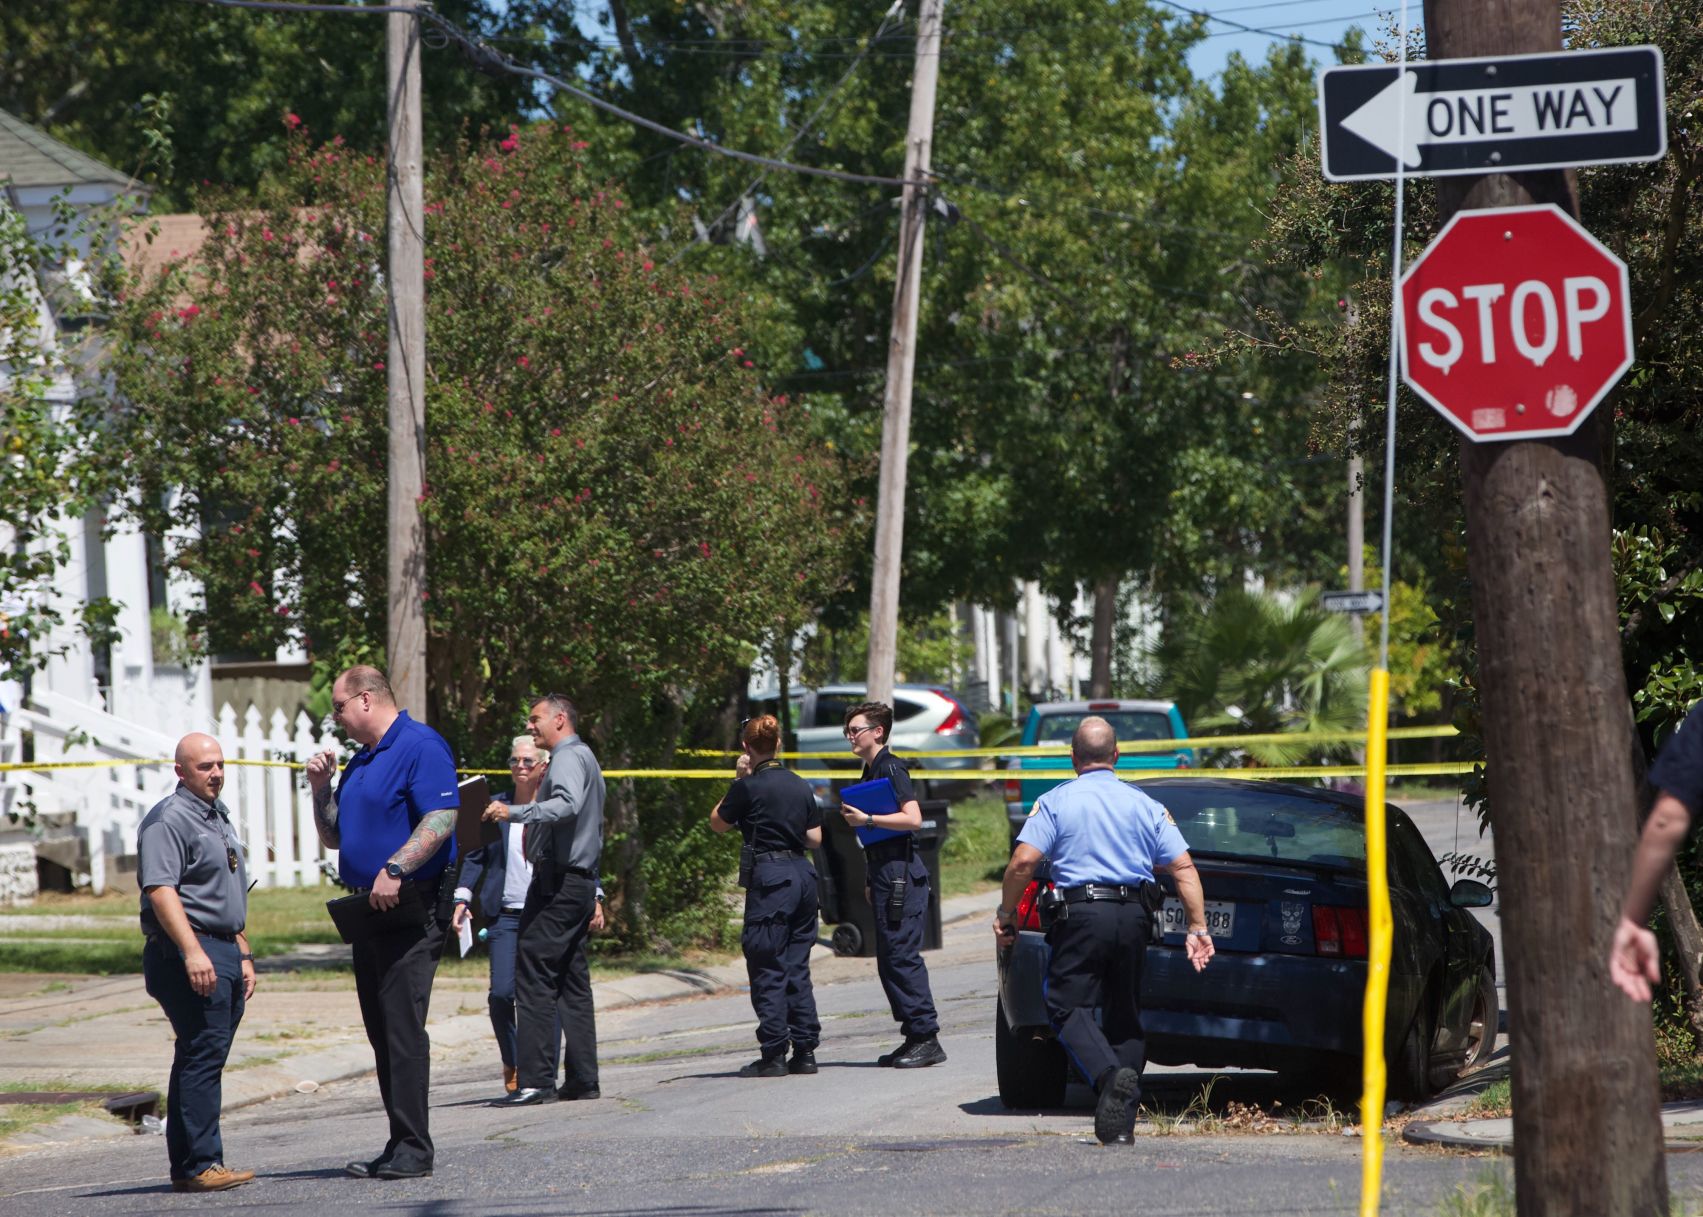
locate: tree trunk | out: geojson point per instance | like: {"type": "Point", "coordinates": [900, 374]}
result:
{"type": "Point", "coordinates": [1100, 645]}
{"type": "Point", "coordinates": [1587, 1135]}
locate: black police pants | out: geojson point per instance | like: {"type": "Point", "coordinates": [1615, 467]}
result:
{"type": "Point", "coordinates": [780, 929]}
{"type": "Point", "coordinates": [898, 946]}
{"type": "Point", "coordinates": [393, 980]}
{"type": "Point", "coordinates": [204, 1027]}
{"type": "Point", "coordinates": [552, 980]}
{"type": "Point", "coordinates": [1097, 953]}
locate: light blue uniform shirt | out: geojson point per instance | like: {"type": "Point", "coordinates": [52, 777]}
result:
{"type": "Point", "coordinates": [1096, 829]}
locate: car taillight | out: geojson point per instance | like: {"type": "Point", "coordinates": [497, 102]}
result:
{"type": "Point", "coordinates": [1013, 790]}
{"type": "Point", "coordinates": [1028, 916]}
{"type": "Point", "coordinates": [954, 721]}
{"type": "Point", "coordinates": [1339, 931]}
{"type": "Point", "coordinates": [1102, 705]}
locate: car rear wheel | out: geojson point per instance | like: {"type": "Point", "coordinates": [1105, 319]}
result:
{"type": "Point", "coordinates": [1032, 1068]}
{"type": "Point", "coordinates": [1482, 1027]}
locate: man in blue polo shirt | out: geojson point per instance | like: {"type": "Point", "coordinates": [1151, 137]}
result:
{"type": "Point", "coordinates": [1106, 840]}
{"type": "Point", "coordinates": [388, 819]}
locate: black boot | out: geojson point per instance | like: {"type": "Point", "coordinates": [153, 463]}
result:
{"type": "Point", "coordinates": [924, 1052]}
{"type": "Point", "coordinates": [803, 1061]}
{"type": "Point", "coordinates": [1114, 1114]}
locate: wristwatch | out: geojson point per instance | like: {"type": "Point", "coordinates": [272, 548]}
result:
{"type": "Point", "coordinates": [245, 958]}
{"type": "Point", "coordinates": [1004, 914]}
{"type": "Point", "coordinates": [394, 870]}
{"type": "Point", "coordinates": [1200, 933]}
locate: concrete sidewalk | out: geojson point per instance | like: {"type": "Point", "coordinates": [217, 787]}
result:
{"type": "Point", "coordinates": [301, 1030]}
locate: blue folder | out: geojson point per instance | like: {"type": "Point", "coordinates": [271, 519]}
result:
{"type": "Point", "coordinates": [878, 799]}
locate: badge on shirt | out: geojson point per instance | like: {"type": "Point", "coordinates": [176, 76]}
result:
{"type": "Point", "coordinates": [1169, 818]}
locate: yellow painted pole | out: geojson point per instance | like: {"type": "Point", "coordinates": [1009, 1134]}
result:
{"type": "Point", "coordinates": [1378, 949]}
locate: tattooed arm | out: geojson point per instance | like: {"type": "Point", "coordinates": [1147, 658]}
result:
{"type": "Point", "coordinates": [428, 837]}
{"type": "Point", "coordinates": [319, 771]}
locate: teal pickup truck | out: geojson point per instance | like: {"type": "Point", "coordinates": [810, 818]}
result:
{"type": "Point", "coordinates": [1054, 722]}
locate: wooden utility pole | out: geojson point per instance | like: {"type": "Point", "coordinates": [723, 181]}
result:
{"type": "Point", "coordinates": [1557, 729]}
{"type": "Point", "coordinates": [901, 361]}
{"type": "Point", "coordinates": [405, 368]}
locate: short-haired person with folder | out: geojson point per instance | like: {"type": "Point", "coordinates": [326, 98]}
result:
{"type": "Point", "coordinates": [898, 883]}
{"type": "Point", "coordinates": [1105, 840]}
{"type": "Point", "coordinates": [775, 811]}
{"type": "Point", "coordinates": [389, 819]}
{"type": "Point", "coordinates": [562, 837]}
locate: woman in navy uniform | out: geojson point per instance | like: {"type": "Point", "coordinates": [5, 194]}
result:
{"type": "Point", "coordinates": [775, 811]}
{"type": "Point", "coordinates": [898, 891]}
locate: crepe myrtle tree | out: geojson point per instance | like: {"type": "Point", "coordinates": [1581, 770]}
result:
{"type": "Point", "coordinates": [615, 508]}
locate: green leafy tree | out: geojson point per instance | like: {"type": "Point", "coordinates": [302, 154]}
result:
{"type": "Point", "coordinates": [615, 509]}
{"type": "Point", "coordinates": [103, 76]}
{"type": "Point", "coordinates": [1259, 663]}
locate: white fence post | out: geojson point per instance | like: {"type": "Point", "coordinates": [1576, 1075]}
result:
{"type": "Point", "coordinates": [253, 810]}
{"type": "Point", "coordinates": [280, 812]}
{"type": "Point", "coordinates": [303, 748]}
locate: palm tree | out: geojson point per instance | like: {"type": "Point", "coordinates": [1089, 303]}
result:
{"type": "Point", "coordinates": [1258, 663]}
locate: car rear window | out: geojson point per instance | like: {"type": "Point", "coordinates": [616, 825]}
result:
{"type": "Point", "coordinates": [1129, 725]}
{"type": "Point", "coordinates": [831, 708]}
{"type": "Point", "coordinates": [1266, 823]}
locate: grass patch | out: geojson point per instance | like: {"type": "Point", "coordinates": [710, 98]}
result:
{"type": "Point", "coordinates": [21, 1117]}
{"type": "Point", "coordinates": [977, 847]}
{"type": "Point", "coordinates": [1496, 1099]}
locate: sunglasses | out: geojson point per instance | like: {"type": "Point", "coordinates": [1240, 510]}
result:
{"type": "Point", "coordinates": [854, 732]}
{"type": "Point", "coordinates": [337, 706]}
{"type": "Point", "coordinates": [523, 762]}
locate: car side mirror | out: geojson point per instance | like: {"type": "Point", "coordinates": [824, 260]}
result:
{"type": "Point", "coordinates": [1471, 894]}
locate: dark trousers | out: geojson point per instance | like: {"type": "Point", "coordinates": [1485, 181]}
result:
{"type": "Point", "coordinates": [898, 947]}
{"type": "Point", "coordinates": [393, 979]}
{"type": "Point", "coordinates": [553, 982]}
{"type": "Point", "coordinates": [780, 929]}
{"type": "Point", "coordinates": [502, 936]}
{"type": "Point", "coordinates": [1097, 953]}
{"type": "Point", "coordinates": [204, 1027]}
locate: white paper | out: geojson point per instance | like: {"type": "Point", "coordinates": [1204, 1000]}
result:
{"type": "Point", "coordinates": [466, 936]}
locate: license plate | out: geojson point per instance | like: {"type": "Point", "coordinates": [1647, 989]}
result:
{"type": "Point", "coordinates": [1220, 917]}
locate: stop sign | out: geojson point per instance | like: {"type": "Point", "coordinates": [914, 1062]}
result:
{"type": "Point", "coordinates": [1515, 322]}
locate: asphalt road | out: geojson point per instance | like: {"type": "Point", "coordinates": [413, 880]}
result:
{"type": "Point", "coordinates": [679, 1133]}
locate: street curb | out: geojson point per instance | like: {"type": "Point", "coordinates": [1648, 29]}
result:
{"type": "Point", "coordinates": [1446, 1133]}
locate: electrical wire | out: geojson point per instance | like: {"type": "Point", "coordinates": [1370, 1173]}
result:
{"type": "Point", "coordinates": [1239, 28]}
{"type": "Point", "coordinates": [489, 59]}
{"type": "Point", "coordinates": [838, 86]}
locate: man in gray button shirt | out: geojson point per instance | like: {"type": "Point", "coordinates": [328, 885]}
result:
{"type": "Point", "coordinates": [196, 963]}
{"type": "Point", "coordinates": [564, 843]}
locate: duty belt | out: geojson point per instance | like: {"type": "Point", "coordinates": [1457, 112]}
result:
{"type": "Point", "coordinates": [892, 849]}
{"type": "Point", "coordinates": [780, 855]}
{"type": "Point", "coordinates": [1121, 892]}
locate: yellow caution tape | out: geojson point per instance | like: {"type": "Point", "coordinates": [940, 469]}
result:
{"type": "Point", "coordinates": [1378, 954]}
{"type": "Point", "coordinates": [1128, 747]}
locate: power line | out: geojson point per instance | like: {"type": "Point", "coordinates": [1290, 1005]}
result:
{"type": "Point", "coordinates": [1253, 29]}
{"type": "Point", "coordinates": [494, 61]}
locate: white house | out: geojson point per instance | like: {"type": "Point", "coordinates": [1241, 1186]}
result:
{"type": "Point", "coordinates": [112, 707]}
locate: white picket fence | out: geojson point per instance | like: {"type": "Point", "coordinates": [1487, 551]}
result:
{"type": "Point", "coordinates": [270, 805]}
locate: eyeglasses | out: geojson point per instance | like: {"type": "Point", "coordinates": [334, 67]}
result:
{"type": "Point", "coordinates": [523, 762]}
{"type": "Point", "coordinates": [337, 706]}
{"type": "Point", "coordinates": [854, 732]}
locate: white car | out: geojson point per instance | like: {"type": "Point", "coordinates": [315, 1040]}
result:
{"type": "Point", "coordinates": [927, 719]}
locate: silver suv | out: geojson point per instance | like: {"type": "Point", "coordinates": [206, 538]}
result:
{"type": "Point", "coordinates": [928, 719]}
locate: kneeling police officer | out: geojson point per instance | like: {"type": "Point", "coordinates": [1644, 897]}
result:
{"type": "Point", "coordinates": [1105, 840]}
{"type": "Point", "coordinates": [775, 811]}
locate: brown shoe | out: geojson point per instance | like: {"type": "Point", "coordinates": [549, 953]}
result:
{"type": "Point", "coordinates": [215, 1178]}
{"type": "Point", "coordinates": [511, 1078]}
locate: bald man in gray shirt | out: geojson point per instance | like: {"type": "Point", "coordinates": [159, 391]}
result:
{"type": "Point", "coordinates": [196, 963]}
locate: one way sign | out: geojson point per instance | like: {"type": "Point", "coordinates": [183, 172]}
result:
{"type": "Point", "coordinates": [1455, 116]}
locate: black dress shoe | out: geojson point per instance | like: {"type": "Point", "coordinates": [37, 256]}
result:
{"type": "Point", "coordinates": [570, 1094]}
{"type": "Point", "coordinates": [1114, 1113]}
{"type": "Point", "coordinates": [921, 1054]}
{"type": "Point", "coordinates": [526, 1096]}
{"type": "Point", "coordinates": [803, 1061]}
{"type": "Point", "coordinates": [765, 1067]}
{"type": "Point", "coordinates": [886, 1059]}
{"type": "Point", "coordinates": [365, 1170]}
{"type": "Point", "coordinates": [390, 1170]}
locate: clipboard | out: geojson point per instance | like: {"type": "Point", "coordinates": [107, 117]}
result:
{"type": "Point", "coordinates": [472, 830]}
{"type": "Point", "coordinates": [876, 798]}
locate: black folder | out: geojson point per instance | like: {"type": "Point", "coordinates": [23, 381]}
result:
{"type": "Point", "coordinates": [356, 919]}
